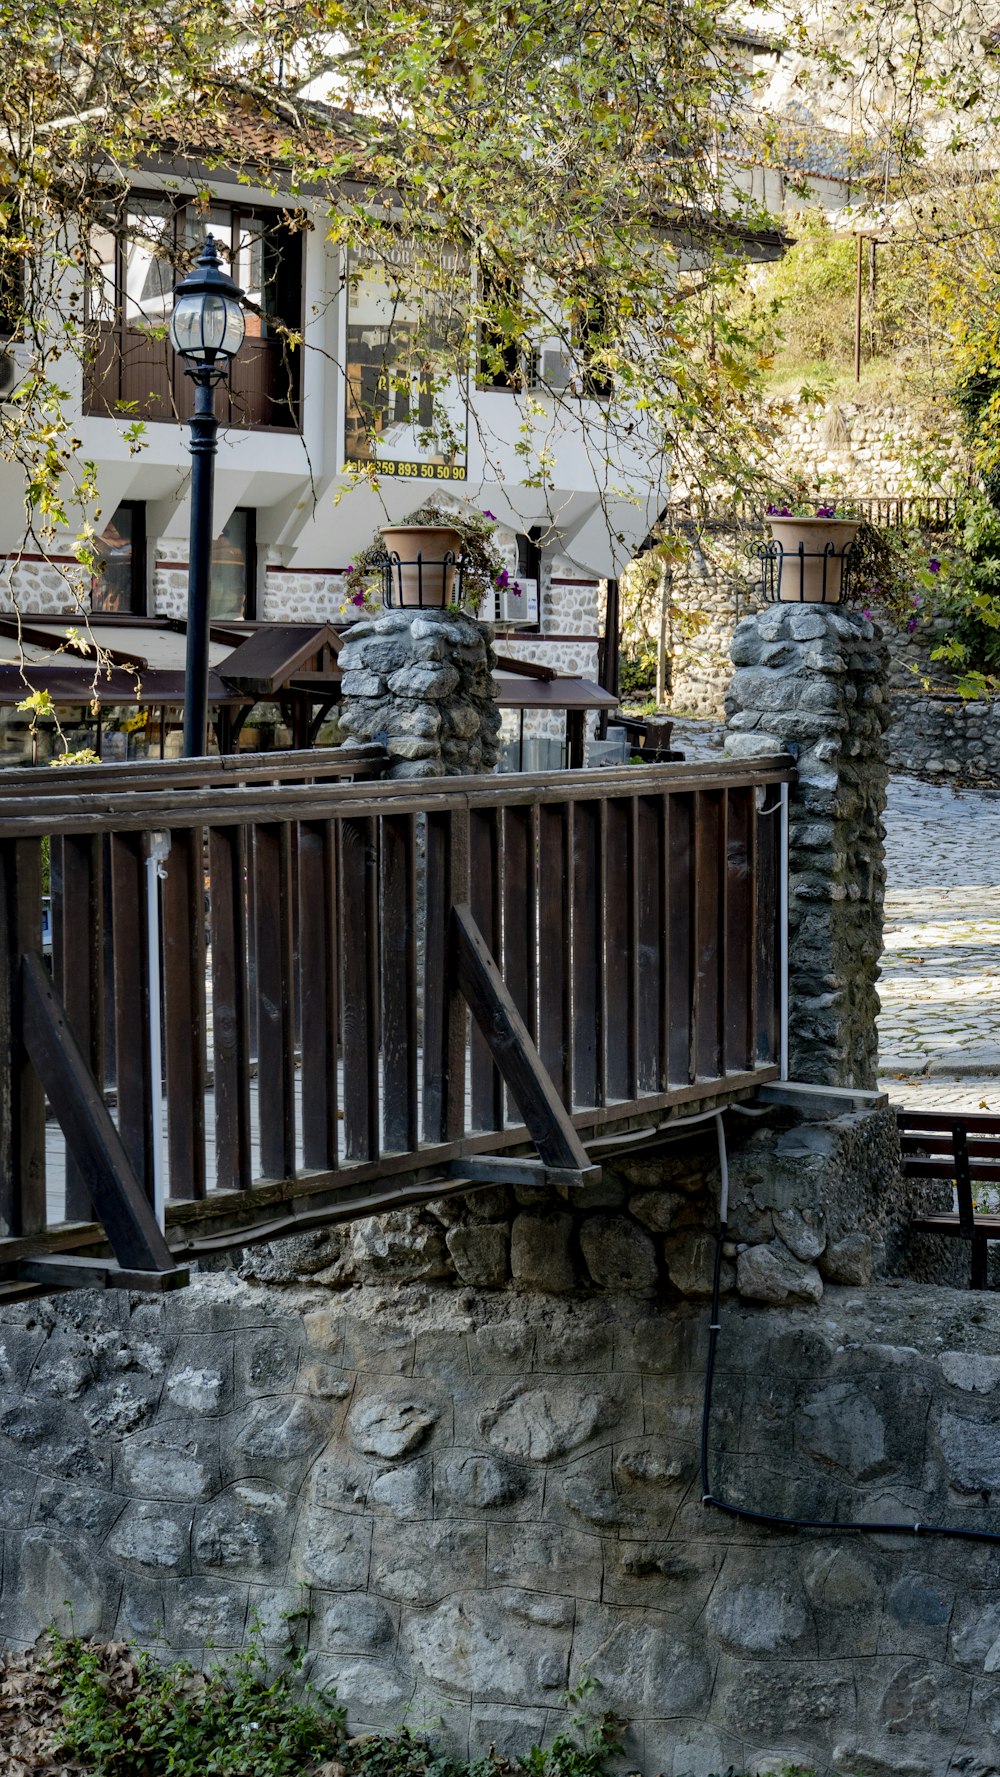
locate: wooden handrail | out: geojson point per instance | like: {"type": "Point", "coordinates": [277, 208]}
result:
{"type": "Point", "coordinates": [322, 941]}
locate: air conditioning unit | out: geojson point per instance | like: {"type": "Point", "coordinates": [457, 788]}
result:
{"type": "Point", "coordinates": [557, 371]}
{"type": "Point", "coordinates": [512, 607]}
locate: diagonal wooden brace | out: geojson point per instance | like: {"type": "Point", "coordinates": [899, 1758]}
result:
{"type": "Point", "coordinates": [547, 1120]}
{"type": "Point", "coordinates": [82, 1115]}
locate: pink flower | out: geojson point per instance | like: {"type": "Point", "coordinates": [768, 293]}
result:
{"type": "Point", "coordinates": [911, 625]}
{"type": "Point", "coordinates": [491, 515]}
{"type": "Point", "coordinates": [825, 511]}
{"type": "Point", "coordinates": [867, 614]}
{"type": "Point", "coordinates": [349, 568]}
{"type": "Point", "coordinates": [503, 580]}
{"type": "Point", "coordinates": [358, 599]}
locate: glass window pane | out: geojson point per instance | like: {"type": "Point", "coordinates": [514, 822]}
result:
{"type": "Point", "coordinates": [150, 274]}
{"type": "Point", "coordinates": [217, 221]}
{"type": "Point", "coordinates": [102, 290]}
{"type": "Point", "coordinates": [231, 567]}
{"type": "Point", "coordinates": [111, 586]}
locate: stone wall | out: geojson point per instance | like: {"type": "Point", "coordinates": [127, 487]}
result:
{"type": "Point", "coordinates": [465, 1439]}
{"type": "Point", "coordinates": [419, 682]}
{"type": "Point", "coordinates": [813, 678]}
{"type": "Point", "coordinates": [940, 736]}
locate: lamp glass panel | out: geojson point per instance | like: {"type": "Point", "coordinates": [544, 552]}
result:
{"type": "Point", "coordinates": [213, 322]}
{"type": "Point", "coordinates": [185, 327]}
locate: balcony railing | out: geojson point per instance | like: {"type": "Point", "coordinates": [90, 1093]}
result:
{"type": "Point", "coordinates": [344, 995]}
{"type": "Point", "coordinates": [137, 374]}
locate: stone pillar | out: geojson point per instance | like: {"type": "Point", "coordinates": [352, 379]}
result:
{"type": "Point", "coordinates": [420, 682]}
{"type": "Point", "coordinates": [813, 679]}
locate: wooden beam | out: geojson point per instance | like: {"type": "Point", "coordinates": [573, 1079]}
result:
{"type": "Point", "coordinates": [546, 1118]}
{"type": "Point", "coordinates": [91, 1136]}
{"type": "Point", "coordinates": [59, 1272]}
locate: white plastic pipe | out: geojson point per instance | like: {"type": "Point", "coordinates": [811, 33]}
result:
{"type": "Point", "coordinates": [159, 847]}
{"type": "Point", "coordinates": [783, 935]}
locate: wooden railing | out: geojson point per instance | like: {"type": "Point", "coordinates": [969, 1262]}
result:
{"type": "Point", "coordinates": [934, 512]}
{"type": "Point", "coordinates": [322, 946]}
{"type": "Point", "coordinates": [137, 373]}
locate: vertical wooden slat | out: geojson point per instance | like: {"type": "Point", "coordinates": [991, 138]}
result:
{"type": "Point", "coordinates": [484, 900]}
{"type": "Point", "coordinates": [555, 1036]}
{"type": "Point", "coordinates": [588, 946]}
{"type": "Point", "coordinates": [22, 1101]}
{"type": "Point", "coordinates": [768, 915]}
{"type": "Point", "coordinates": [76, 883]}
{"type": "Point", "coordinates": [651, 945]}
{"type": "Point", "coordinates": [132, 1005]}
{"type": "Point", "coordinates": [184, 1011]}
{"type": "Point", "coordinates": [620, 952]}
{"type": "Point", "coordinates": [446, 1017]}
{"type": "Point", "coordinates": [519, 918]}
{"type": "Point", "coordinates": [318, 991]}
{"type": "Point", "coordinates": [737, 1026]}
{"type": "Point", "coordinates": [398, 870]}
{"type": "Point", "coordinates": [359, 987]}
{"type": "Point", "coordinates": [230, 1008]}
{"type": "Point", "coordinates": [709, 940]}
{"type": "Point", "coordinates": [435, 953]}
{"type": "Point", "coordinates": [273, 945]}
{"type": "Point", "coordinates": [681, 980]}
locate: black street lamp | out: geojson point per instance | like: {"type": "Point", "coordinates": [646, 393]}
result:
{"type": "Point", "coordinates": [207, 330]}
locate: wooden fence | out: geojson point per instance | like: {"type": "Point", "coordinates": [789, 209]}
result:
{"type": "Point", "coordinates": [370, 991]}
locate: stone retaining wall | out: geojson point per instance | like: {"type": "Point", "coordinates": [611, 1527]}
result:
{"type": "Point", "coordinates": [482, 1497]}
{"type": "Point", "coordinates": [938, 736]}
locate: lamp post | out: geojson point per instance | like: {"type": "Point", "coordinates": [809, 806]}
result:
{"type": "Point", "coordinates": [206, 330]}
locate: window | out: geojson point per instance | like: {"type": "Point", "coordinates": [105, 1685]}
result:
{"type": "Point", "coordinates": [233, 591]}
{"type": "Point", "coordinates": [502, 353]}
{"type": "Point", "coordinates": [119, 583]}
{"type": "Point", "coordinates": [590, 338]}
{"type": "Point", "coordinates": [135, 261]}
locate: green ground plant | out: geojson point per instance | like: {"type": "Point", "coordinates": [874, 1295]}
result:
{"type": "Point", "coordinates": [125, 1714]}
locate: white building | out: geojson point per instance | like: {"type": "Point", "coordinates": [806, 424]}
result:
{"type": "Point", "coordinates": [291, 510]}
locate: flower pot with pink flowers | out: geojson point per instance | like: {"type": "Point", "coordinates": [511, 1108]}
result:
{"type": "Point", "coordinates": [808, 560]}
{"type": "Point", "coordinates": [433, 558]}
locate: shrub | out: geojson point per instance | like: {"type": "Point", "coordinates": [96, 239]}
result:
{"type": "Point", "coordinates": [126, 1715]}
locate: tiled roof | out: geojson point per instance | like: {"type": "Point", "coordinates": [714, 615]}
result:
{"type": "Point", "coordinates": [236, 138]}
{"type": "Point", "coordinates": [795, 145]}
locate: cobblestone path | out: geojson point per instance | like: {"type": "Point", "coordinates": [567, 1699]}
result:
{"type": "Point", "coordinates": [940, 989]}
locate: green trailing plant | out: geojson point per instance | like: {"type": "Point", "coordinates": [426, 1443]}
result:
{"type": "Point", "coordinates": [125, 1715]}
{"type": "Point", "coordinates": [965, 589]}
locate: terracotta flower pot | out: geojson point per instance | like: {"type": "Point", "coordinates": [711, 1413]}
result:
{"type": "Point", "coordinates": [423, 576]}
{"type": "Point", "coordinates": [811, 569]}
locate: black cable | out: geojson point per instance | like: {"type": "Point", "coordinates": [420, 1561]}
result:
{"type": "Point", "coordinates": [776, 1519]}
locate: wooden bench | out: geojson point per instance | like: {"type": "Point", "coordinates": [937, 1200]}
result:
{"type": "Point", "coordinates": [963, 1148]}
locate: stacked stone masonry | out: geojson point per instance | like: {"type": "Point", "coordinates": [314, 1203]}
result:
{"type": "Point", "coordinates": [420, 683]}
{"type": "Point", "coordinates": [465, 1439]}
{"type": "Point", "coordinates": [813, 678]}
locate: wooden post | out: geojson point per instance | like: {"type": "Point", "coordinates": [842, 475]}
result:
{"type": "Point", "coordinates": [22, 1100]}
{"type": "Point", "coordinates": [860, 239]}
{"type": "Point", "coordinates": [611, 649]}
{"type": "Point", "coordinates": [661, 646]}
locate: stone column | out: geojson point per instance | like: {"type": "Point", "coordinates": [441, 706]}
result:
{"type": "Point", "coordinates": [813, 679]}
{"type": "Point", "coordinates": [420, 682]}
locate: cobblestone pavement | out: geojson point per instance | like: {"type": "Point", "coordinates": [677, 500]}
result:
{"type": "Point", "coordinates": [940, 988]}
